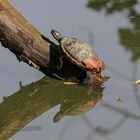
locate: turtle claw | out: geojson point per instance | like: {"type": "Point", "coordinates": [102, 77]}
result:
{"type": "Point", "coordinates": [89, 77]}
{"type": "Point", "coordinates": [102, 75]}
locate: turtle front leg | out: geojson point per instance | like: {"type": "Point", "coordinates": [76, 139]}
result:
{"type": "Point", "coordinates": [60, 65]}
{"type": "Point", "coordinates": [89, 77]}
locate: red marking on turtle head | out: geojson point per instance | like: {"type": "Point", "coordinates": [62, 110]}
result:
{"type": "Point", "coordinates": [93, 63]}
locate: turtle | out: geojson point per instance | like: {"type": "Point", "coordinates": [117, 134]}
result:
{"type": "Point", "coordinates": [79, 53]}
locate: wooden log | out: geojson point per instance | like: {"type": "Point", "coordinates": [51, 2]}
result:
{"type": "Point", "coordinates": [30, 46]}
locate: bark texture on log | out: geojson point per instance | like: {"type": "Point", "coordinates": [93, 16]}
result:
{"type": "Point", "coordinates": [30, 46]}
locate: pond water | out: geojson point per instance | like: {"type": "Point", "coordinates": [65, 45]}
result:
{"type": "Point", "coordinates": [113, 28]}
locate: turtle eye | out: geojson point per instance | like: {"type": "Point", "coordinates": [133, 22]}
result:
{"type": "Point", "coordinates": [100, 63]}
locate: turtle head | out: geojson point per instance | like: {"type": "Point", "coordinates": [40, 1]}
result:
{"type": "Point", "coordinates": [56, 35]}
{"type": "Point", "coordinates": [98, 66]}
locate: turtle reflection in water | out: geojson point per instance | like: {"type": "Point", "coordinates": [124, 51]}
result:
{"type": "Point", "coordinates": [79, 53]}
{"type": "Point", "coordinates": [77, 106]}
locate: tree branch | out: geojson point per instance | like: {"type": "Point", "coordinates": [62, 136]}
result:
{"type": "Point", "coordinates": [30, 46]}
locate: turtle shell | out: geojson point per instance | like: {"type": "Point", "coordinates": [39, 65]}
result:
{"type": "Point", "coordinates": [77, 51]}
